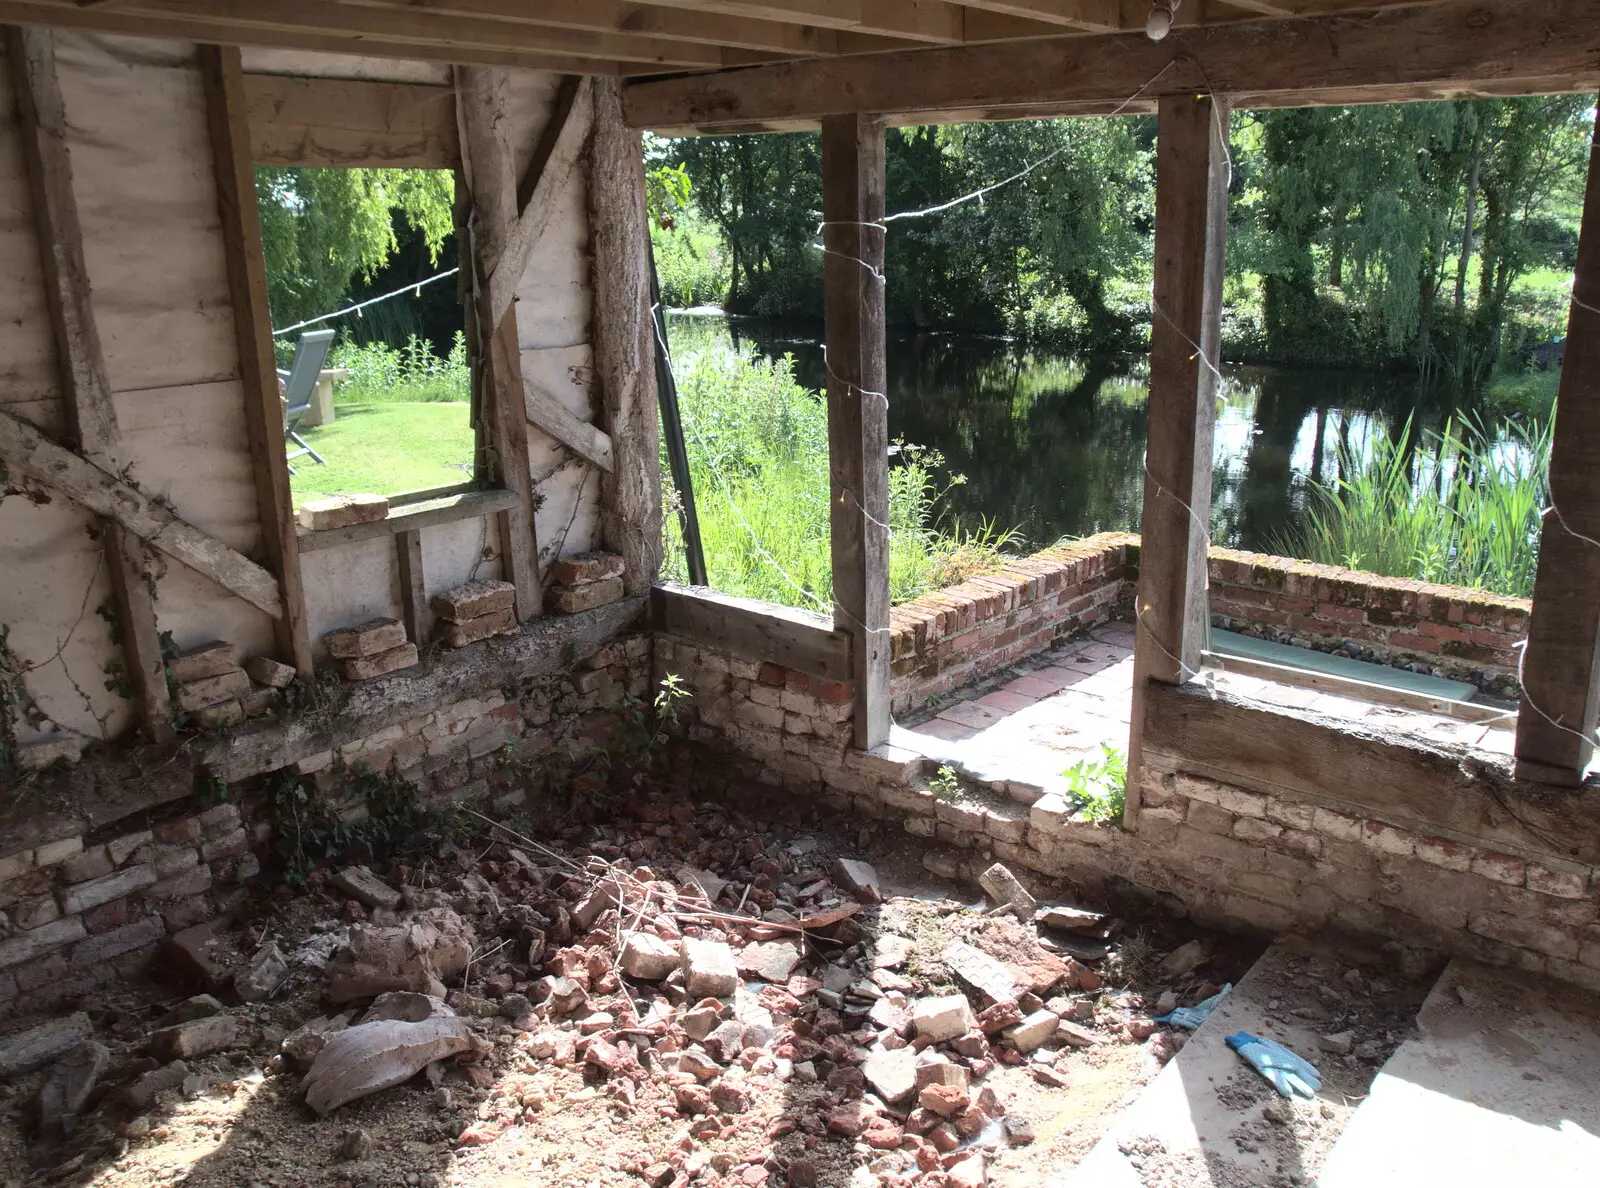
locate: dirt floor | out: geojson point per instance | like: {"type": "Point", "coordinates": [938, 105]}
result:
{"type": "Point", "coordinates": [816, 1068]}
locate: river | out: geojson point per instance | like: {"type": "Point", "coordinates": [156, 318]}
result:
{"type": "Point", "coordinates": [1052, 444]}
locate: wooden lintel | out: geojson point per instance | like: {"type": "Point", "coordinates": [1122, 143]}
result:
{"type": "Point", "coordinates": [587, 441]}
{"type": "Point", "coordinates": [1185, 334]}
{"type": "Point", "coordinates": [411, 517]}
{"type": "Point", "coordinates": [1457, 43]}
{"type": "Point", "coordinates": [1561, 665]}
{"type": "Point", "coordinates": [85, 388]}
{"type": "Point", "coordinates": [350, 122]}
{"type": "Point", "coordinates": [228, 122]}
{"type": "Point", "coordinates": [753, 630]}
{"type": "Point", "coordinates": [32, 455]}
{"type": "Point", "coordinates": [1364, 771]}
{"type": "Point", "coordinates": [858, 409]}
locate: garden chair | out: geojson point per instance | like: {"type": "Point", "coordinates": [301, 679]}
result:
{"type": "Point", "coordinates": [297, 385]}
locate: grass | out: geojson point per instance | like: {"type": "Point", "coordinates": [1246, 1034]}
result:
{"type": "Point", "coordinates": [386, 449]}
{"type": "Point", "coordinates": [402, 422]}
{"type": "Point", "coordinates": [758, 449]}
{"type": "Point", "coordinates": [1461, 508]}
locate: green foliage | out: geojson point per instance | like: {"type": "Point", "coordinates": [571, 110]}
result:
{"type": "Point", "coordinates": [311, 829]}
{"type": "Point", "coordinates": [1099, 787]}
{"type": "Point", "coordinates": [691, 263]}
{"type": "Point", "coordinates": [946, 785]}
{"type": "Point", "coordinates": [757, 445]}
{"type": "Point", "coordinates": [413, 374]}
{"type": "Point", "coordinates": [320, 228]}
{"type": "Point", "coordinates": [15, 704]}
{"type": "Point", "coordinates": [1454, 508]}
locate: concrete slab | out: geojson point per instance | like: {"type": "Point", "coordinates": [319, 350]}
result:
{"type": "Point", "coordinates": [1231, 643]}
{"type": "Point", "coordinates": [1208, 1119]}
{"type": "Point", "coordinates": [1501, 1085]}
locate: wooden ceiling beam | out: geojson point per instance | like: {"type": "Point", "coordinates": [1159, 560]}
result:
{"type": "Point", "coordinates": [1520, 46]}
{"type": "Point", "coordinates": [635, 20]}
{"type": "Point", "coordinates": [1092, 16]}
{"type": "Point", "coordinates": [453, 30]}
{"type": "Point", "coordinates": [106, 19]}
{"type": "Point", "coordinates": [934, 21]}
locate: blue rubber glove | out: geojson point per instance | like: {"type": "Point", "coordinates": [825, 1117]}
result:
{"type": "Point", "coordinates": [1288, 1073]}
{"type": "Point", "coordinates": [1190, 1018]}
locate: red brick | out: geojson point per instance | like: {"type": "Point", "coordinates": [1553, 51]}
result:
{"type": "Point", "coordinates": [771, 674]}
{"type": "Point", "coordinates": [1416, 643]}
{"type": "Point", "coordinates": [833, 692]}
{"type": "Point", "coordinates": [108, 916]}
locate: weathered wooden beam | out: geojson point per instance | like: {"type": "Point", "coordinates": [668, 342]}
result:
{"type": "Point", "coordinates": [204, 27]}
{"type": "Point", "coordinates": [555, 159]}
{"type": "Point", "coordinates": [414, 608]}
{"type": "Point", "coordinates": [227, 119]}
{"type": "Point", "coordinates": [587, 441]}
{"type": "Point", "coordinates": [1365, 771]}
{"type": "Point", "coordinates": [1561, 663]}
{"type": "Point", "coordinates": [481, 101]}
{"type": "Point", "coordinates": [32, 455]}
{"type": "Point", "coordinates": [624, 342]}
{"type": "Point", "coordinates": [412, 517]}
{"type": "Point", "coordinates": [350, 122]}
{"type": "Point", "coordinates": [858, 407]}
{"type": "Point", "coordinates": [1185, 333]}
{"type": "Point", "coordinates": [753, 630]}
{"type": "Point", "coordinates": [1097, 16]}
{"type": "Point", "coordinates": [1458, 43]}
{"type": "Point", "coordinates": [85, 388]}
{"type": "Point", "coordinates": [409, 23]}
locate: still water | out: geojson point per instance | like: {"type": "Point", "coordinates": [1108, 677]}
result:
{"type": "Point", "coordinates": [1052, 445]}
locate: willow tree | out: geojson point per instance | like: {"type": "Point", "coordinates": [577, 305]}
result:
{"type": "Point", "coordinates": [322, 228]}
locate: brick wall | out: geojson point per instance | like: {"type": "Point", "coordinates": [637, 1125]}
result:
{"type": "Point", "coordinates": [1228, 856]}
{"type": "Point", "coordinates": [87, 900]}
{"type": "Point", "coordinates": [954, 637]}
{"type": "Point", "coordinates": [1466, 634]}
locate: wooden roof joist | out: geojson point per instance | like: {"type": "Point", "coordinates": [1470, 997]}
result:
{"type": "Point", "coordinates": [1398, 54]}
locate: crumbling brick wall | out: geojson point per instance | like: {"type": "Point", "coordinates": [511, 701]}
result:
{"type": "Point", "coordinates": [948, 639]}
{"type": "Point", "coordinates": [92, 893]}
{"type": "Point", "coordinates": [1470, 635]}
{"type": "Point", "coordinates": [1229, 857]}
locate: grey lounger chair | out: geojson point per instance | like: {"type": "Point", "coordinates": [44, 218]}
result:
{"type": "Point", "coordinates": [298, 384]}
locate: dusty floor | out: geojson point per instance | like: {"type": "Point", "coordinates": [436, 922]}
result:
{"type": "Point", "coordinates": [614, 1091]}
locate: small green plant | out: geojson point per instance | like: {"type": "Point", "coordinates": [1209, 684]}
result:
{"type": "Point", "coordinates": [946, 785]}
{"type": "Point", "coordinates": [311, 828]}
{"type": "Point", "coordinates": [213, 789]}
{"type": "Point", "coordinates": [14, 702]}
{"type": "Point", "coordinates": [1099, 787]}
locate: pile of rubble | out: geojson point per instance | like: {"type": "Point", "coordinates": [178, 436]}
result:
{"type": "Point", "coordinates": [759, 999]}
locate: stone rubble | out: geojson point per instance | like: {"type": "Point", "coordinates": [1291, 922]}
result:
{"type": "Point", "coordinates": [703, 995]}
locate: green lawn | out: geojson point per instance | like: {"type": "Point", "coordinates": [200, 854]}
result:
{"type": "Point", "coordinates": [385, 449]}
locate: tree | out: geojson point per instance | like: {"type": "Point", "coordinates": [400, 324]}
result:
{"type": "Point", "coordinates": [320, 228]}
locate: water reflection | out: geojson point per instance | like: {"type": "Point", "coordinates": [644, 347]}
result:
{"type": "Point", "coordinates": [1053, 445]}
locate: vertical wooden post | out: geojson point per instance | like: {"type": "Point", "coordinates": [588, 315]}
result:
{"type": "Point", "coordinates": [1185, 330]}
{"type": "Point", "coordinates": [624, 341]}
{"type": "Point", "coordinates": [85, 388]}
{"type": "Point", "coordinates": [858, 406]}
{"type": "Point", "coordinates": [480, 109]}
{"type": "Point", "coordinates": [223, 78]}
{"type": "Point", "coordinates": [1559, 669]}
{"type": "Point", "coordinates": [414, 609]}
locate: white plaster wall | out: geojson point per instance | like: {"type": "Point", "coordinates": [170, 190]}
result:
{"type": "Point", "coordinates": [55, 577]}
{"type": "Point", "coordinates": [147, 199]}
{"type": "Point", "coordinates": [553, 320]}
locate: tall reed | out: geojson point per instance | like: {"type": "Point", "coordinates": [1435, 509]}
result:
{"type": "Point", "coordinates": [1462, 508]}
{"type": "Point", "coordinates": [758, 453]}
